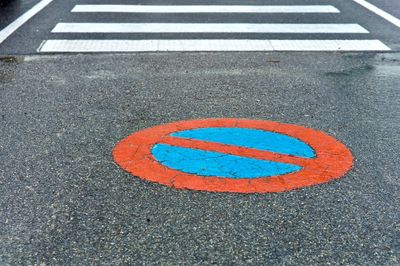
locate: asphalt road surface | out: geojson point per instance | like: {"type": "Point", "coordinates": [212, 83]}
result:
{"type": "Point", "coordinates": [63, 108]}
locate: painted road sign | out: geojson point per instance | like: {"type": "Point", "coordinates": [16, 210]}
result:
{"type": "Point", "coordinates": [233, 155]}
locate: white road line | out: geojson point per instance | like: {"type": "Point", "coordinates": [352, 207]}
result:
{"type": "Point", "coordinates": [76, 46]}
{"type": "Point", "coordinates": [10, 29]}
{"type": "Point", "coordinates": [205, 28]}
{"type": "Point", "coordinates": [205, 9]}
{"type": "Point", "coordinates": [329, 45]}
{"type": "Point", "coordinates": [379, 12]}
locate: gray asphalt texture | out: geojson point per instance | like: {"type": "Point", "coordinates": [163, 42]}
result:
{"type": "Point", "coordinates": [64, 202]}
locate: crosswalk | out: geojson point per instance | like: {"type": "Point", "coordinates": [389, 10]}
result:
{"type": "Point", "coordinates": [205, 28]}
{"type": "Point", "coordinates": [82, 33]}
{"type": "Point", "coordinates": [204, 9]}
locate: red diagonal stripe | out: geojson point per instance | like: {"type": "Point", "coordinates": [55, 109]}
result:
{"type": "Point", "coordinates": [234, 150]}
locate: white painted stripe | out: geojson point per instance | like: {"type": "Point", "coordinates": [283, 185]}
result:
{"type": "Point", "coordinates": [329, 45]}
{"type": "Point", "coordinates": [76, 46]}
{"type": "Point", "coordinates": [10, 29]}
{"type": "Point", "coordinates": [379, 12]}
{"type": "Point", "coordinates": [205, 9]}
{"type": "Point", "coordinates": [206, 28]}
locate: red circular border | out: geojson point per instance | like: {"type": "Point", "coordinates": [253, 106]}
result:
{"type": "Point", "coordinates": [333, 159]}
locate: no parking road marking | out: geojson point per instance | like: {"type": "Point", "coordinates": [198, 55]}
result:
{"type": "Point", "coordinates": [233, 155]}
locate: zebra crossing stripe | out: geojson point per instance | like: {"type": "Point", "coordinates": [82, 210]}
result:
{"type": "Point", "coordinates": [86, 46]}
{"type": "Point", "coordinates": [206, 28]}
{"type": "Point", "coordinates": [205, 9]}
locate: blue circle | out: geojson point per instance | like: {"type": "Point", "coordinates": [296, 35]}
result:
{"type": "Point", "coordinates": [209, 163]}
